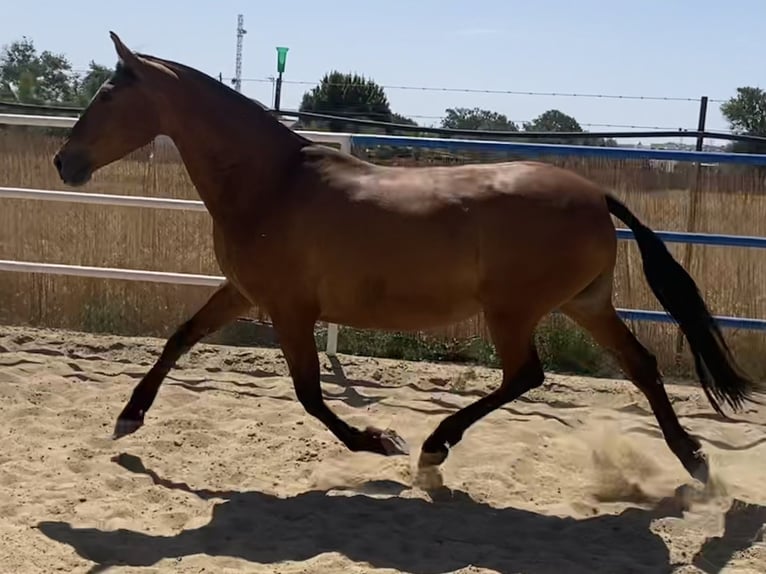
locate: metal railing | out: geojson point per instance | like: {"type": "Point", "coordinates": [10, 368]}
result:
{"type": "Point", "coordinates": [346, 141]}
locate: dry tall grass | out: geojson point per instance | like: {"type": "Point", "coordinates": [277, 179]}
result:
{"type": "Point", "coordinates": [730, 200]}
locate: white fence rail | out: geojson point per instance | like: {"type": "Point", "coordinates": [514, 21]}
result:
{"type": "Point", "coordinates": [111, 273]}
{"type": "Point", "coordinates": [343, 140]}
{"type": "Point", "coordinates": [101, 199]}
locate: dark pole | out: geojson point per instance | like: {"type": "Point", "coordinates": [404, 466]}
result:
{"type": "Point", "coordinates": [278, 92]}
{"type": "Point", "coordinates": [701, 121]}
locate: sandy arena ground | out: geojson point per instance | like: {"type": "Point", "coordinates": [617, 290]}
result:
{"type": "Point", "coordinates": [230, 475]}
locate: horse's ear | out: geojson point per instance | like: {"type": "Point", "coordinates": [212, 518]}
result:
{"type": "Point", "coordinates": [125, 54]}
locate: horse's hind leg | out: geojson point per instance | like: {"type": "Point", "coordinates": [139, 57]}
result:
{"type": "Point", "coordinates": [512, 335]}
{"type": "Point", "coordinates": [593, 310]}
{"type": "Point", "coordinates": [224, 306]}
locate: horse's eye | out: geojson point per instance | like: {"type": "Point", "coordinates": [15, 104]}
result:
{"type": "Point", "coordinates": [105, 96]}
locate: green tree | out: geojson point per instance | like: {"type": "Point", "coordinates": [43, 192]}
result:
{"type": "Point", "coordinates": [553, 121]}
{"type": "Point", "coordinates": [746, 114]}
{"type": "Point", "coordinates": [557, 121]}
{"type": "Point", "coordinates": [91, 82]}
{"type": "Point", "coordinates": [16, 79]}
{"type": "Point", "coordinates": [349, 95]}
{"type": "Point", "coordinates": [27, 76]}
{"type": "Point", "coordinates": [477, 119]}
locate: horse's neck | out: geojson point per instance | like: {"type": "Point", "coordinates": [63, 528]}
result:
{"type": "Point", "coordinates": [233, 156]}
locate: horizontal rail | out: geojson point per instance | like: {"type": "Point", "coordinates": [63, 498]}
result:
{"type": "Point", "coordinates": [37, 121]}
{"type": "Point", "coordinates": [522, 148]}
{"type": "Point", "coordinates": [722, 320]}
{"type": "Point", "coordinates": [101, 199]}
{"type": "Point", "coordinates": [341, 139]}
{"type": "Point", "coordinates": [111, 273]}
{"type": "Point", "coordinates": [702, 238]}
{"type": "Point", "coordinates": [192, 205]}
{"type": "Point", "coordinates": [283, 113]}
{"type": "Point", "coordinates": [214, 281]}
{"type": "Point", "coordinates": [525, 135]}
{"type": "Point", "coordinates": [539, 149]}
{"type": "Point", "coordinates": [346, 140]}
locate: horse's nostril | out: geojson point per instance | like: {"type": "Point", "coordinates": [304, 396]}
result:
{"type": "Point", "coordinates": [57, 162]}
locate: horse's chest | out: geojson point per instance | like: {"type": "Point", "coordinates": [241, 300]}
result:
{"type": "Point", "coordinates": [243, 258]}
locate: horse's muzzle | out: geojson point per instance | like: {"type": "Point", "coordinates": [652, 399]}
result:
{"type": "Point", "coordinates": [73, 168]}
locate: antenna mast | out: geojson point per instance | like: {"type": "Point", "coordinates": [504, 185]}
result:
{"type": "Point", "coordinates": [237, 80]}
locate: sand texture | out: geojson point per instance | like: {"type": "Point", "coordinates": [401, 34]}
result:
{"type": "Point", "coordinates": [230, 475]}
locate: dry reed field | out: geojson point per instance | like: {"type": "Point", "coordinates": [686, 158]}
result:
{"type": "Point", "coordinates": [729, 199]}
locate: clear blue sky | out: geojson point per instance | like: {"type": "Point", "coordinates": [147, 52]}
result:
{"type": "Point", "coordinates": [679, 48]}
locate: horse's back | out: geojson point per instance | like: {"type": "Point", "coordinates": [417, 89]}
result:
{"type": "Point", "coordinates": [487, 213]}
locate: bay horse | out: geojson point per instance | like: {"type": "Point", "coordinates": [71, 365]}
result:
{"type": "Point", "coordinates": [311, 234]}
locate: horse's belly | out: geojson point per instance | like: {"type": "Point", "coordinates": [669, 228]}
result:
{"type": "Point", "coordinates": [396, 305]}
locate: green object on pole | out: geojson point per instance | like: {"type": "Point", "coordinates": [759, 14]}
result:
{"type": "Point", "coordinates": [281, 58]}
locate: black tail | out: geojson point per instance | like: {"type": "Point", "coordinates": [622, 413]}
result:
{"type": "Point", "coordinates": [721, 378]}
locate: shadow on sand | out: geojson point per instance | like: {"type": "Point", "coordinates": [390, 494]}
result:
{"type": "Point", "coordinates": [407, 534]}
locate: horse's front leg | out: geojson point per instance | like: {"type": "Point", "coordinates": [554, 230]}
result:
{"type": "Point", "coordinates": [295, 329]}
{"type": "Point", "coordinates": [224, 306]}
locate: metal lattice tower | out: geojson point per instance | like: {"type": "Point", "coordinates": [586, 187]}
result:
{"type": "Point", "coordinates": [237, 80]}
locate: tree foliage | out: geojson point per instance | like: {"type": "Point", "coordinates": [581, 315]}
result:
{"type": "Point", "coordinates": [29, 77]}
{"type": "Point", "coordinates": [746, 114]}
{"type": "Point", "coordinates": [553, 121]}
{"type": "Point", "coordinates": [92, 81]}
{"type": "Point", "coordinates": [550, 121]}
{"type": "Point", "coordinates": [477, 119]}
{"type": "Point", "coordinates": [557, 121]}
{"type": "Point", "coordinates": [350, 95]}
{"type": "Point", "coordinates": [46, 78]}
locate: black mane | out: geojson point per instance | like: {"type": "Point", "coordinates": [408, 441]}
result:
{"type": "Point", "coordinates": [207, 79]}
{"type": "Point", "coordinates": [124, 75]}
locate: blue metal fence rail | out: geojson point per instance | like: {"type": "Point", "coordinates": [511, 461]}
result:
{"type": "Point", "coordinates": [541, 149]}
{"type": "Point", "coordinates": [703, 238]}
{"type": "Point", "coordinates": [722, 320]}
{"type": "Point", "coordinates": [537, 149]}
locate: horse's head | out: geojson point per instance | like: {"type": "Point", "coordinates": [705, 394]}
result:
{"type": "Point", "coordinates": [121, 118]}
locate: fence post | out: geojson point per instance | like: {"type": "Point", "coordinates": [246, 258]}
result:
{"type": "Point", "coordinates": [278, 93]}
{"type": "Point", "coordinates": [701, 122]}
{"type": "Point", "coordinates": [691, 220]}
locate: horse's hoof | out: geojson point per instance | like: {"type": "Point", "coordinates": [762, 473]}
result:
{"type": "Point", "coordinates": [125, 427]}
{"type": "Point", "coordinates": [701, 469]}
{"type": "Point", "coordinates": [389, 441]}
{"type": "Point", "coordinates": [429, 478]}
